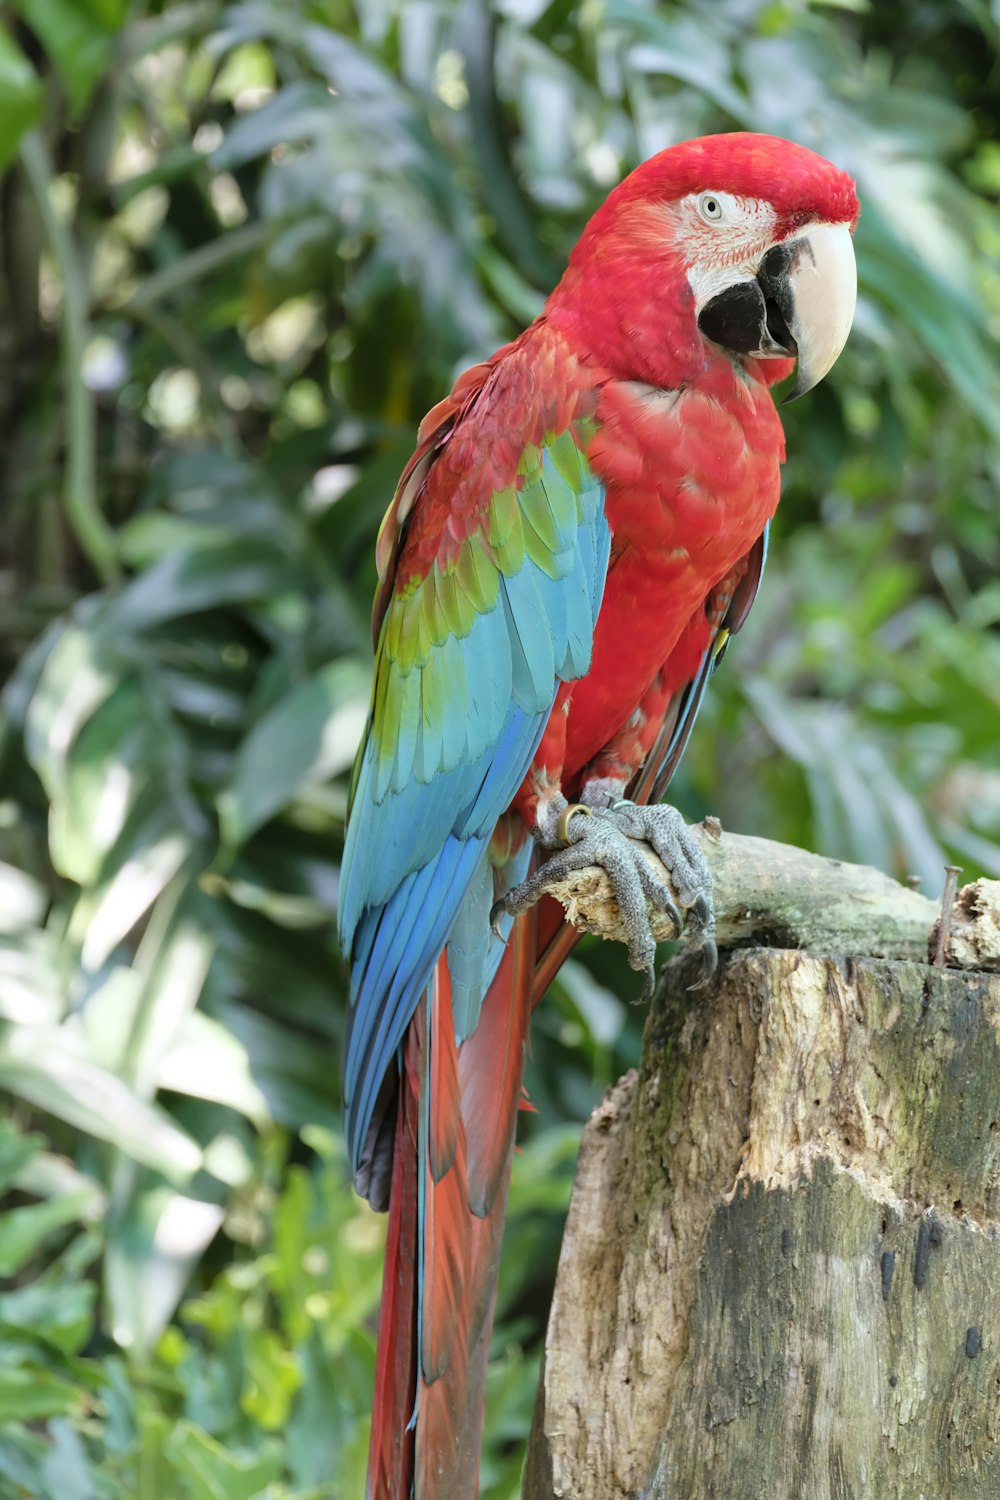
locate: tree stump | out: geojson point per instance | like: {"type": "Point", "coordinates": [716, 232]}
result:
{"type": "Point", "coordinates": [780, 1278]}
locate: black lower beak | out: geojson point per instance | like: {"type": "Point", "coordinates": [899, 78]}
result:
{"type": "Point", "coordinates": [751, 317]}
{"type": "Point", "coordinates": [800, 304]}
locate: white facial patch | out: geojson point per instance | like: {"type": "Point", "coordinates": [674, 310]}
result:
{"type": "Point", "coordinates": [723, 238]}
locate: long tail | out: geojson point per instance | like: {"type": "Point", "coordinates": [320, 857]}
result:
{"type": "Point", "coordinates": [454, 1142]}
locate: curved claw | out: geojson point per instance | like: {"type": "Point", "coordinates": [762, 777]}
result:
{"type": "Point", "coordinates": [708, 961]}
{"type": "Point", "coordinates": [648, 986]}
{"type": "Point", "coordinates": [661, 898]}
{"type": "Point", "coordinates": [701, 914]}
{"type": "Point", "coordinates": [497, 910]}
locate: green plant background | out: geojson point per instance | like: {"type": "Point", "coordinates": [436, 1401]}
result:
{"type": "Point", "coordinates": [242, 249]}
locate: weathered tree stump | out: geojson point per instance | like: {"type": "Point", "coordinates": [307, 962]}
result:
{"type": "Point", "coordinates": [780, 1278]}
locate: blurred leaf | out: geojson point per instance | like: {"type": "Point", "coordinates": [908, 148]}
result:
{"type": "Point", "coordinates": [215, 1474]}
{"type": "Point", "coordinates": [152, 1246]}
{"type": "Point", "coordinates": [77, 34]}
{"type": "Point", "coordinates": [66, 1470]}
{"type": "Point", "coordinates": [273, 1377]}
{"type": "Point", "coordinates": [48, 1067]}
{"type": "Point", "coordinates": [687, 47]}
{"type": "Point", "coordinates": [46, 1175]}
{"type": "Point", "coordinates": [207, 1061]}
{"type": "Point", "coordinates": [75, 680]}
{"type": "Point", "coordinates": [603, 1011]}
{"type": "Point", "coordinates": [536, 1181]}
{"type": "Point", "coordinates": [16, 1151]}
{"type": "Point", "coordinates": [23, 901]}
{"type": "Point", "coordinates": [239, 570]}
{"type": "Point", "coordinates": [26, 1394]}
{"type": "Point", "coordinates": [109, 763]}
{"type": "Point", "coordinates": [20, 97]}
{"type": "Point", "coordinates": [139, 871]}
{"type": "Point", "coordinates": [172, 963]}
{"type": "Point", "coordinates": [61, 1316]}
{"type": "Point", "coordinates": [31, 987]}
{"type": "Point", "coordinates": [309, 736]}
{"type": "Point", "coordinates": [295, 1075]}
{"type": "Point", "coordinates": [298, 112]}
{"type": "Point", "coordinates": [946, 321]}
{"type": "Point", "coordinates": [22, 1230]}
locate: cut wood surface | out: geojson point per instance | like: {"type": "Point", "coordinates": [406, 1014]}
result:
{"type": "Point", "coordinates": [780, 1273]}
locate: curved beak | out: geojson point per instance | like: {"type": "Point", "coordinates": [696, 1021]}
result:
{"type": "Point", "coordinates": [813, 281]}
{"type": "Point", "coordinates": [800, 304]}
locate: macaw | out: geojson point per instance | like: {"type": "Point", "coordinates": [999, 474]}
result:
{"type": "Point", "coordinates": [582, 526]}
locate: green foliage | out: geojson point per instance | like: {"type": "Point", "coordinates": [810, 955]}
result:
{"type": "Point", "coordinates": [261, 1383]}
{"type": "Point", "coordinates": [256, 1387]}
{"type": "Point", "coordinates": [242, 249]}
{"type": "Point", "coordinates": [21, 96]}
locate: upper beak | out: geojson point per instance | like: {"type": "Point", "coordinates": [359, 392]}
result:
{"type": "Point", "coordinates": [800, 304]}
{"type": "Point", "coordinates": [812, 280]}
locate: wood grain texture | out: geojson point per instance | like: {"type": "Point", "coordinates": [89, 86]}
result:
{"type": "Point", "coordinates": [779, 1275]}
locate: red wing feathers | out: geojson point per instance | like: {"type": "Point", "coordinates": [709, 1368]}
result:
{"type": "Point", "coordinates": [434, 432]}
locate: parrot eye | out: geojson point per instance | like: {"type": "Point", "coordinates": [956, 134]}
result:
{"type": "Point", "coordinates": [710, 208]}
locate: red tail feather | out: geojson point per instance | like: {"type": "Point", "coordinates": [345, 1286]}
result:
{"type": "Point", "coordinates": [445, 1111]}
{"type": "Point", "coordinates": [390, 1459]}
{"type": "Point", "coordinates": [456, 1402]}
{"type": "Point", "coordinates": [445, 1204]}
{"type": "Point", "coordinates": [465, 1101]}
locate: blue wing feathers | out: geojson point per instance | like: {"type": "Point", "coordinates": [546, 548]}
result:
{"type": "Point", "coordinates": [397, 948]}
{"type": "Point", "coordinates": [465, 723]}
{"type": "Point", "coordinates": [396, 943]}
{"type": "Point", "coordinates": [401, 834]}
{"type": "Point", "coordinates": [470, 931]}
{"type": "Point", "coordinates": [530, 641]}
{"type": "Point", "coordinates": [507, 763]}
{"type": "Point", "coordinates": [474, 950]}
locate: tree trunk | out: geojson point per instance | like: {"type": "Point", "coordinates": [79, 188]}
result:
{"type": "Point", "coordinates": [781, 1268]}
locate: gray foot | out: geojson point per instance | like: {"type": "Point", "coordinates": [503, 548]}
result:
{"type": "Point", "coordinates": [605, 838]}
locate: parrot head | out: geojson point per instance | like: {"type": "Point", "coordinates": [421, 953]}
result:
{"type": "Point", "coordinates": [738, 241]}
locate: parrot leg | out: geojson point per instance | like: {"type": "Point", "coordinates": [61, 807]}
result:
{"type": "Point", "coordinates": [606, 837]}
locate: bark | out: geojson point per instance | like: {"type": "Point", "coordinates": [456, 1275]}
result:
{"type": "Point", "coordinates": [778, 1279]}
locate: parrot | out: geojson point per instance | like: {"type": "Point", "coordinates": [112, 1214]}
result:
{"type": "Point", "coordinates": [580, 530]}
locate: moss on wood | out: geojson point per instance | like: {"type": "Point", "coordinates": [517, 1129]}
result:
{"type": "Point", "coordinates": [781, 1269]}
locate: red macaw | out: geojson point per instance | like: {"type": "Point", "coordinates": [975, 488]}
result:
{"type": "Point", "coordinates": [582, 526]}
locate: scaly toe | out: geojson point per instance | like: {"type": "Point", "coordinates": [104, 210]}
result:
{"type": "Point", "coordinates": [659, 895]}
{"type": "Point", "coordinates": [608, 839]}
